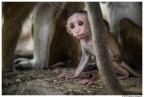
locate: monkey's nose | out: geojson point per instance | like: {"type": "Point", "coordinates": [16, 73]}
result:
{"type": "Point", "coordinates": [77, 31]}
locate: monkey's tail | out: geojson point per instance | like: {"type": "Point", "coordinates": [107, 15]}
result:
{"type": "Point", "coordinates": [57, 65]}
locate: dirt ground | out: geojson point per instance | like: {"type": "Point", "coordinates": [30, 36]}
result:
{"type": "Point", "coordinates": [45, 82]}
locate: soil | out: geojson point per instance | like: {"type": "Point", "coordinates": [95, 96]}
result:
{"type": "Point", "coordinates": [45, 82]}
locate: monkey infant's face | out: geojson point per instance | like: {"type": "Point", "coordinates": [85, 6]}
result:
{"type": "Point", "coordinates": [78, 25]}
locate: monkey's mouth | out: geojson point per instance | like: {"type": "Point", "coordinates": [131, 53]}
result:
{"type": "Point", "coordinates": [82, 36]}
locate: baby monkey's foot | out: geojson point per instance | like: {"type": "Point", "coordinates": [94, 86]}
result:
{"type": "Point", "coordinates": [94, 78]}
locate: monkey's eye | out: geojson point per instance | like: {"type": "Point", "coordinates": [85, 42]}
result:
{"type": "Point", "coordinates": [80, 23]}
{"type": "Point", "coordinates": [72, 26]}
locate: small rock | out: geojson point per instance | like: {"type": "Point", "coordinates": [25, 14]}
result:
{"type": "Point", "coordinates": [18, 80]}
{"type": "Point", "coordinates": [54, 81]}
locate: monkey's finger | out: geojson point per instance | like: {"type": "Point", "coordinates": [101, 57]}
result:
{"type": "Point", "coordinates": [67, 76]}
{"type": "Point", "coordinates": [93, 82]}
{"type": "Point", "coordinates": [84, 82]}
{"type": "Point", "coordinates": [62, 75]}
{"type": "Point", "coordinates": [89, 82]}
{"type": "Point", "coordinates": [23, 65]}
{"type": "Point", "coordinates": [20, 60]}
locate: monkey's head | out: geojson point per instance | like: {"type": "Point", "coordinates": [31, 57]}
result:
{"type": "Point", "coordinates": [78, 24]}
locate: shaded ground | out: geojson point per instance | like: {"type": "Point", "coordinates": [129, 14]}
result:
{"type": "Point", "coordinates": [45, 82]}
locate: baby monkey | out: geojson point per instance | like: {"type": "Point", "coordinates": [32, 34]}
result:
{"type": "Point", "coordinates": [78, 25]}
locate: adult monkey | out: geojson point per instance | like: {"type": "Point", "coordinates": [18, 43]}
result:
{"type": "Point", "coordinates": [47, 14]}
{"type": "Point", "coordinates": [125, 19]}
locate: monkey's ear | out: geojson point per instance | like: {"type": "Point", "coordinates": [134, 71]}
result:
{"type": "Point", "coordinates": [68, 29]}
